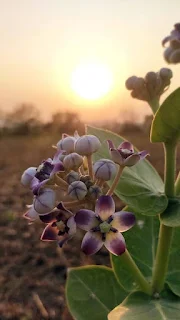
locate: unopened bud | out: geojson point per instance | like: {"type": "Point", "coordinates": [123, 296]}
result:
{"type": "Point", "coordinates": [94, 192]}
{"type": "Point", "coordinates": [87, 145]}
{"type": "Point", "coordinates": [151, 77]}
{"type": "Point", "coordinates": [167, 54]}
{"type": "Point", "coordinates": [77, 190]}
{"type": "Point", "coordinates": [28, 175]}
{"type": "Point", "coordinates": [45, 201]}
{"type": "Point", "coordinates": [139, 84]}
{"type": "Point", "coordinates": [72, 176]}
{"type": "Point", "coordinates": [130, 82]}
{"type": "Point", "coordinates": [66, 144]}
{"type": "Point", "coordinates": [175, 56]}
{"type": "Point", "coordinates": [165, 73]}
{"type": "Point", "coordinates": [104, 169]}
{"type": "Point", "coordinates": [72, 161]}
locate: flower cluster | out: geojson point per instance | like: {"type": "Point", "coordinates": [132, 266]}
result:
{"type": "Point", "coordinates": [151, 87]}
{"type": "Point", "coordinates": [72, 175]}
{"type": "Point", "coordinates": [172, 52]}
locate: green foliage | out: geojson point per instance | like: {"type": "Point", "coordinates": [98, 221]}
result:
{"type": "Point", "coordinates": [139, 306]}
{"type": "Point", "coordinates": [92, 292]}
{"type": "Point", "coordinates": [171, 216]}
{"type": "Point", "coordinates": [173, 276]}
{"type": "Point", "coordinates": [166, 123]}
{"type": "Point", "coordinates": [140, 186]}
{"type": "Point", "coordinates": [141, 242]}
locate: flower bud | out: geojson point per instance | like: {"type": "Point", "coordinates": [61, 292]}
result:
{"type": "Point", "coordinates": [104, 169]}
{"type": "Point", "coordinates": [45, 201]}
{"type": "Point", "coordinates": [66, 144]}
{"type": "Point", "coordinates": [72, 176]}
{"type": "Point", "coordinates": [28, 175]}
{"type": "Point", "coordinates": [167, 54]}
{"type": "Point", "coordinates": [94, 192]}
{"type": "Point", "coordinates": [151, 77]}
{"type": "Point", "coordinates": [87, 144]}
{"type": "Point", "coordinates": [175, 56]}
{"type": "Point", "coordinates": [165, 73]}
{"type": "Point", "coordinates": [139, 84]}
{"type": "Point", "coordinates": [77, 190]}
{"type": "Point", "coordinates": [72, 161]}
{"type": "Point", "coordinates": [130, 82]}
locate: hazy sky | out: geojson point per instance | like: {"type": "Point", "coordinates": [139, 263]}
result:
{"type": "Point", "coordinates": [42, 41]}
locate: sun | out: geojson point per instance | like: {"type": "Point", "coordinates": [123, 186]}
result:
{"type": "Point", "coordinates": [91, 81]}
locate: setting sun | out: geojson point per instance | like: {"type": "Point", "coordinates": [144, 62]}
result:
{"type": "Point", "coordinates": [91, 80]}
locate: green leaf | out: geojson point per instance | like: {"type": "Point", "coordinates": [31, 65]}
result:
{"type": "Point", "coordinates": [166, 123]}
{"type": "Point", "coordinates": [140, 186]}
{"type": "Point", "coordinates": [171, 216]}
{"type": "Point", "coordinates": [173, 276]}
{"type": "Point", "coordinates": [141, 242]}
{"type": "Point", "coordinates": [92, 292]}
{"type": "Point", "coordinates": [139, 306]}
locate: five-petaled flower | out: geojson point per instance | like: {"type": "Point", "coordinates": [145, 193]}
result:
{"type": "Point", "coordinates": [124, 154]}
{"type": "Point", "coordinates": [104, 226]}
{"type": "Point", "coordinates": [60, 225]}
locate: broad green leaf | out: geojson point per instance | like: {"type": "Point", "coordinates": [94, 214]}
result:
{"type": "Point", "coordinates": [171, 216]}
{"type": "Point", "coordinates": [166, 123]}
{"type": "Point", "coordinates": [173, 276]}
{"type": "Point", "coordinates": [139, 306]}
{"type": "Point", "coordinates": [141, 242]}
{"type": "Point", "coordinates": [92, 292]}
{"type": "Point", "coordinates": [140, 186]}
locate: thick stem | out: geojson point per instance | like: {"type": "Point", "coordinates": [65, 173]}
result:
{"type": "Point", "coordinates": [165, 233]}
{"type": "Point", "coordinates": [162, 258]}
{"type": "Point", "coordinates": [90, 168]}
{"type": "Point", "coordinates": [115, 182]}
{"type": "Point", "coordinates": [135, 272]}
{"type": "Point", "coordinates": [170, 166]}
{"type": "Point", "coordinates": [154, 104]}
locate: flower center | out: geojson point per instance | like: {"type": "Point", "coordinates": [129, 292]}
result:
{"type": "Point", "coordinates": [60, 225]}
{"type": "Point", "coordinates": [127, 151]}
{"type": "Point", "coordinates": [104, 227]}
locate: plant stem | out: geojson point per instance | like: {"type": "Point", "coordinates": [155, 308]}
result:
{"type": "Point", "coordinates": [135, 272]}
{"type": "Point", "coordinates": [90, 169]}
{"type": "Point", "coordinates": [75, 203]}
{"type": "Point", "coordinates": [165, 233]}
{"type": "Point", "coordinates": [115, 182]}
{"type": "Point", "coordinates": [154, 104]}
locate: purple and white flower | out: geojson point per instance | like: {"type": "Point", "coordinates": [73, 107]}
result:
{"type": "Point", "coordinates": [60, 227]}
{"type": "Point", "coordinates": [104, 226]}
{"type": "Point", "coordinates": [124, 154]}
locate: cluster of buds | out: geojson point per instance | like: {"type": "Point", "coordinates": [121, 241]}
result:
{"type": "Point", "coordinates": [172, 52]}
{"type": "Point", "coordinates": [72, 174]}
{"type": "Point", "coordinates": [151, 87]}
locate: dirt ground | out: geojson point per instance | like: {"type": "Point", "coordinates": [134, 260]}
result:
{"type": "Point", "coordinates": [33, 273]}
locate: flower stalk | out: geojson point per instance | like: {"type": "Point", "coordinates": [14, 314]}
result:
{"type": "Point", "coordinates": [115, 182]}
{"type": "Point", "coordinates": [165, 233]}
{"type": "Point", "coordinates": [135, 272]}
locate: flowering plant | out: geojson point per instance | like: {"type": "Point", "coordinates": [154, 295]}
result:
{"type": "Point", "coordinates": [75, 193]}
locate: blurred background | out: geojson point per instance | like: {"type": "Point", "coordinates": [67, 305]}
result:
{"type": "Point", "coordinates": [63, 64]}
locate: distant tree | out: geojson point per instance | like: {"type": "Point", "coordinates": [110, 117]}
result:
{"type": "Point", "coordinates": [67, 122]}
{"type": "Point", "coordinates": [23, 119]}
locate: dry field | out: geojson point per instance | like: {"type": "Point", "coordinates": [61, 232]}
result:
{"type": "Point", "coordinates": [33, 273]}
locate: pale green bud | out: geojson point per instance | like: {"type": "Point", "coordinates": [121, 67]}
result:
{"type": "Point", "coordinates": [72, 161]}
{"type": "Point", "coordinates": [87, 145]}
{"type": "Point", "coordinates": [77, 190]}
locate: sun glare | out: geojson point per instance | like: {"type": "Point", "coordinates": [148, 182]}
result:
{"type": "Point", "coordinates": [91, 81]}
